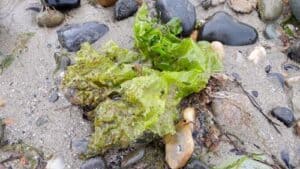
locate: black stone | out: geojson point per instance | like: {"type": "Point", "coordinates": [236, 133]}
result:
{"type": "Point", "coordinates": [224, 28]}
{"type": "Point", "coordinates": [181, 9]}
{"type": "Point", "coordinates": [93, 163]}
{"type": "Point", "coordinates": [254, 93]}
{"type": "Point", "coordinates": [63, 4]}
{"type": "Point", "coordinates": [205, 4]}
{"type": "Point", "coordinates": [288, 67]}
{"type": "Point", "coordinates": [294, 52]}
{"type": "Point", "coordinates": [72, 36]}
{"type": "Point", "coordinates": [285, 115]}
{"type": "Point", "coordinates": [268, 68]}
{"type": "Point", "coordinates": [125, 8]}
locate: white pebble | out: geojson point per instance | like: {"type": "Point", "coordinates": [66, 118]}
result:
{"type": "Point", "coordinates": [257, 54]}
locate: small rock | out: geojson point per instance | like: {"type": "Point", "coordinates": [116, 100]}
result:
{"type": "Point", "coordinates": [289, 67]}
{"type": "Point", "coordinates": [196, 164]}
{"type": "Point", "coordinates": [284, 115]}
{"type": "Point", "coordinates": [94, 163]}
{"type": "Point", "coordinates": [181, 9]}
{"type": "Point", "coordinates": [297, 128]}
{"type": "Point", "coordinates": [53, 97]}
{"type": "Point", "coordinates": [63, 4]}
{"type": "Point", "coordinates": [270, 9]}
{"type": "Point", "coordinates": [2, 102]}
{"type": "Point", "coordinates": [254, 93]}
{"type": "Point", "coordinates": [257, 54]}
{"type": "Point", "coordinates": [219, 48]}
{"type": "Point", "coordinates": [125, 8]}
{"type": "Point", "coordinates": [242, 6]}
{"type": "Point", "coordinates": [268, 68]}
{"type": "Point", "coordinates": [133, 157]}
{"type": "Point", "coordinates": [42, 120]}
{"type": "Point", "coordinates": [205, 3]}
{"type": "Point", "coordinates": [273, 31]}
{"type": "Point", "coordinates": [223, 28]}
{"type": "Point", "coordinates": [50, 18]}
{"type": "Point", "coordinates": [62, 61]}
{"type": "Point", "coordinates": [56, 162]}
{"type": "Point", "coordinates": [72, 36]}
{"type": "Point", "coordinates": [292, 80]}
{"type": "Point", "coordinates": [295, 5]}
{"type": "Point", "coordinates": [80, 146]}
{"type": "Point", "coordinates": [294, 52]}
{"type": "Point", "coordinates": [217, 2]}
{"type": "Point", "coordinates": [278, 77]}
{"type": "Point", "coordinates": [107, 3]}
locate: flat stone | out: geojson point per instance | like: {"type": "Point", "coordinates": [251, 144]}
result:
{"type": "Point", "coordinates": [42, 120]}
{"type": "Point", "coordinates": [295, 5]}
{"type": "Point", "coordinates": [72, 36]}
{"type": "Point", "coordinates": [63, 4]}
{"type": "Point", "coordinates": [223, 28]}
{"type": "Point", "coordinates": [242, 6]}
{"type": "Point", "coordinates": [133, 157]}
{"type": "Point", "coordinates": [125, 8]}
{"type": "Point", "coordinates": [93, 163]}
{"type": "Point", "coordinates": [270, 10]}
{"type": "Point", "coordinates": [273, 31]}
{"type": "Point", "coordinates": [80, 145]}
{"type": "Point", "coordinates": [181, 9]}
{"type": "Point", "coordinates": [285, 115]}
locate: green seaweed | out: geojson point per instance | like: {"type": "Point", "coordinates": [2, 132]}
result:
{"type": "Point", "coordinates": [133, 93]}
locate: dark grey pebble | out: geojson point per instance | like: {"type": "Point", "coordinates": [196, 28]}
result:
{"type": "Point", "coordinates": [133, 157]}
{"type": "Point", "coordinates": [294, 52]}
{"type": "Point", "coordinates": [62, 61]}
{"type": "Point", "coordinates": [125, 8]}
{"type": "Point", "coordinates": [42, 120]}
{"type": "Point", "coordinates": [94, 163]}
{"type": "Point", "coordinates": [268, 68]}
{"type": "Point", "coordinates": [236, 76]}
{"type": "Point", "coordinates": [63, 4]}
{"type": "Point", "coordinates": [279, 77]}
{"type": "Point", "coordinates": [285, 115]}
{"type": "Point", "coordinates": [288, 67]}
{"type": "Point", "coordinates": [196, 164]}
{"type": "Point", "coordinates": [53, 97]}
{"type": "Point", "coordinates": [254, 93]}
{"type": "Point", "coordinates": [224, 28]}
{"type": "Point", "coordinates": [182, 9]}
{"type": "Point", "coordinates": [72, 36]}
{"type": "Point", "coordinates": [80, 145]}
{"type": "Point", "coordinates": [285, 157]}
{"type": "Point", "coordinates": [205, 3]}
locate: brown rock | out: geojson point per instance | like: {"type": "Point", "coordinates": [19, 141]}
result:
{"type": "Point", "coordinates": [2, 102]}
{"type": "Point", "coordinates": [242, 6]}
{"type": "Point", "coordinates": [107, 3]}
{"type": "Point", "coordinates": [297, 128]}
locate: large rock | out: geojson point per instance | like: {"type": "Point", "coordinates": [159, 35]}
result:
{"type": "Point", "coordinates": [63, 4]}
{"type": "Point", "coordinates": [223, 28]}
{"type": "Point", "coordinates": [181, 9]}
{"type": "Point", "coordinates": [270, 9]}
{"type": "Point", "coordinates": [125, 8]}
{"type": "Point", "coordinates": [72, 36]}
{"type": "Point", "coordinates": [295, 5]}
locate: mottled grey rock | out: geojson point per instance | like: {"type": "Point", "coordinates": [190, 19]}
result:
{"type": "Point", "coordinates": [53, 97]}
{"type": "Point", "coordinates": [42, 120]}
{"type": "Point", "coordinates": [181, 9]}
{"type": "Point", "coordinates": [270, 10]}
{"type": "Point", "coordinates": [72, 36]}
{"type": "Point", "coordinates": [2, 128]}
{"type": "Point", "coordinates": [273, 31]}
{"type": "Point", "coordinates": [125, 8]}
{"type": "Point", "coordinates": [285, 115]}
{"type": "Point", "coordinates": [295, 5]}
{"type": "Point", "coordinates": [80, 145]}
{"type": "Point", "coordinates": [223, 28]}
{"type": "Point", "coordinates": [94, 163]}
{"type": "Point", "coordinates": [205, 3]}
{"type": "Point", "coordinates": [133, 157]}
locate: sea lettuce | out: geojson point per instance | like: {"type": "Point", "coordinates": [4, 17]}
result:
{"type": "Point", "coordinates": [131, 97]}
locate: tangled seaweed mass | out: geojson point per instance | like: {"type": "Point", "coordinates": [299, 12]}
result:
{"type": "Point", "coordinates": [137, 92]}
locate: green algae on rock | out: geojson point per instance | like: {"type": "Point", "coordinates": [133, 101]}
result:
{"type": "Point", "coordinates": [148, 94]}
